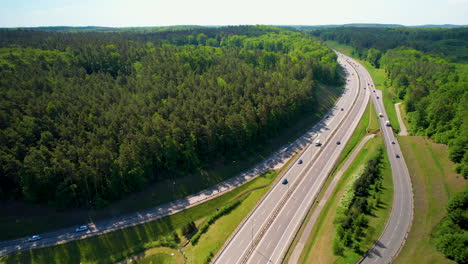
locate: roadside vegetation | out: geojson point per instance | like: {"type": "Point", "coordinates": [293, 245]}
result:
{"type": "Point", "coordinates": [319, 246]}
{"type": "Point", "coordinates": [434, 183]}
{"type": "Point", "coordinates": [360, 198]}
{"type": "Point", "coordinates": [166, 232]}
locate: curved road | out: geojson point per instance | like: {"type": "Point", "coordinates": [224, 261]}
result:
{"type": "Point", "coordinates": [387, 247]}
{"type": "Point", "coordinates": [266, 233]}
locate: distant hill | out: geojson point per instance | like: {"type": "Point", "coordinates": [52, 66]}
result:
{"type": "Point", "coordinates": [108, 29]}
{"type": "Point", "coordinates": [373, 25]}
{"type": "Point", "coordinates": [188, 27]}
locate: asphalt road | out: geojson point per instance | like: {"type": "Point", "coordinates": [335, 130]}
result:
{"type": "Point", "coordinates": [265, 235]}
{"type": "Point", "coordinates": [398, 225]}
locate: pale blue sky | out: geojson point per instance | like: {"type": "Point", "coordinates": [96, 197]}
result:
{"type": "Point", "coordinates": [124, 13]}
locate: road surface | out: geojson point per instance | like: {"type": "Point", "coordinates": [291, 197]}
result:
{"type": "Point", "coordinates": [398, 225]}
{"type": "Point", "coordinates": [266, 233]}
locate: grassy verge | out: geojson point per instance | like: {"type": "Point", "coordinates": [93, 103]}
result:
{"type": "Point", "coordinates": [160, 255]}
{"type": "Point", "coordinates": [121, 244]}
{"type": "Point", "coordinates": [380, 80]}
{"type": "Point", "coordinates": [21, 219]}
{"type": "Point", "coordinates": [318, 248]}
{"type": "Point", "coordinates": [434, 181]}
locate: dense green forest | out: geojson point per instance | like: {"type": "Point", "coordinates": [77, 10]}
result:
{"type": "Point", "coordinates": [450, 44]}
{"type": "Point", "coordinates": [428, 70]}
{"type": "Point", "coordinates": [426, 77]}
{"type": "Point", "coordinates": [88, 117]}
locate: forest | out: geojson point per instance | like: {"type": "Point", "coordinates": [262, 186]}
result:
{"type": "Point", "coordinates": [88, 117]}
{"type": "Point", "coordinates": [428, 70]}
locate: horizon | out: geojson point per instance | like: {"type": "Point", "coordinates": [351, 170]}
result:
{"type": "Point", "coordinates": [228, 25]}
{"type": "Point", "coordinates": [157, 13]}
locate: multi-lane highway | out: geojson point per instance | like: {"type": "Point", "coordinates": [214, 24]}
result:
{"type": "Point", "coordinates": [268, 231]}
{"type": "Point", "coordinates": [265, 235]}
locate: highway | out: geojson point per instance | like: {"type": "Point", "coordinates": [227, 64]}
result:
{"type": "Point", "coordinates": [265, 235]}
{"type": "Point", "coordinates": [398, 225]}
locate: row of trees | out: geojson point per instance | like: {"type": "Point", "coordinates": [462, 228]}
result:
{"type": "Point", "coordinates": [356, 204]}
{"type": "Point", "coordinates": [86, 118]}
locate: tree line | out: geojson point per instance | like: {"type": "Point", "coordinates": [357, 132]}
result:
{"type": "Point", "coordinates": [86, 118]}
{"type": "Point", "coordinates": [361, 197]}
{"type": "Point", "coordinates": [428, 71]}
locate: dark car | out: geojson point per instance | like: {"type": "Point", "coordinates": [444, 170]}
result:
{"type": "Point", "coordinates": [397, 156]}
{"type": "Point", "coordinates": [299, 162]}
{"type": "Point", "coordinates": [342, 109]}
{"type": "Point", "coordinates": [34, 238]}
{"type": "Point", "coordinates": [285, 181]}
{"type": "Point", "coordinates": [377, 97]}
{"type": "Point", "coordinates": [338, 142]}
{"type": "Point", "coordinates": [393, 142]}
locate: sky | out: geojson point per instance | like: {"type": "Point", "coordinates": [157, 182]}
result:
{"type": "Point", "coordinates": [136, 13]}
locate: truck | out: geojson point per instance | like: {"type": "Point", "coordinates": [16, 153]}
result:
{"type": "Point", "coordinates": [317, 143]}
{"type": "Point", "coordinates": [387, 123]}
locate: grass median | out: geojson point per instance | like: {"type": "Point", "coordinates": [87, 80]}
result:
{"type": "Point", "coordinates": [318, 248]}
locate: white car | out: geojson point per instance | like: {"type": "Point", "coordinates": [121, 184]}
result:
{"type": "Point", "coordinates": [81, 228]}
{"type": "Point", "coordinates": [34, 238]}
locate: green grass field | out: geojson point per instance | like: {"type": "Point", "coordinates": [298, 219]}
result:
{"type": "Point", "coordinates": [434, 181]}
{"type": "Point", "coordinates": [124, 243]}
{"type": "Point", "coordinates": [318, 248]}
{"type": "Point", "coordinates": [160, 255]}
{"type": "Point", "coordinates": [380, 80]}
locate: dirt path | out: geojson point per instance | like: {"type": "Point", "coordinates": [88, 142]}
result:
{"type": "Point", "coordinates": [403, 130]}
{"type": "Point", "coordinates": [305, 234]}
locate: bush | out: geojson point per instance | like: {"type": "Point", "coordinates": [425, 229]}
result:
{"type": "Point", "coordinates": [188, 229]}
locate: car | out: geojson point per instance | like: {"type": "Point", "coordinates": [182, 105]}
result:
{"type": "Point", "coordinates": [34, 238]}
{"type": "Point", "coordinates": [393, 142]}
{"type": "Point", "coordinates": [397, 156]}
{"type": "Point", "coordinates": [342, 109]}
{"type": "Point", "coordinates": [374, 91]}
{"type": "Point", "coordinates": [377, 97]}
{"type": "Point", "coordinates": [81, 228]}
{"type": "Point", "coordinates": [338, 142]}
{"type": "Point", "coordinates": [299, 162]}
{"type": "Point", "coordinates": [285, 181]}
